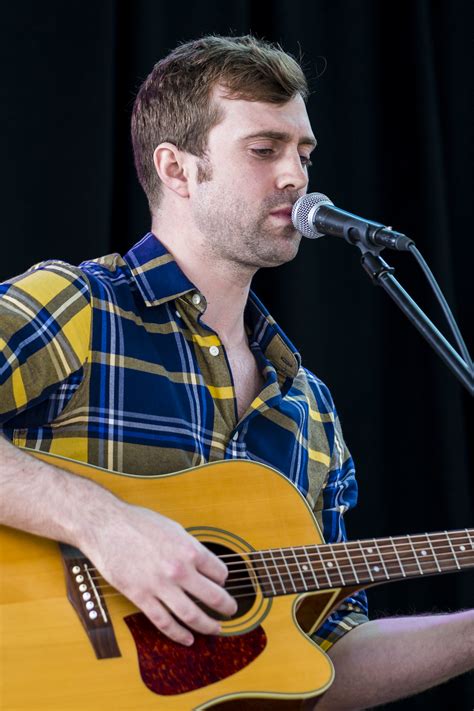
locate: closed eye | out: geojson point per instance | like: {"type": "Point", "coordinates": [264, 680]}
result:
{"type": "Point", "coordinates": [263, 152]}
{"type": "Point", "coordinates": [268, 152]}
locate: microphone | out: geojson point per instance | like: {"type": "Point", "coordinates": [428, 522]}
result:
{"type": "Point", "coordinates": [315, 215]}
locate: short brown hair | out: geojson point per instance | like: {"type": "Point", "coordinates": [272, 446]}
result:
{"type": "Point", "coordinates": [173, 102]}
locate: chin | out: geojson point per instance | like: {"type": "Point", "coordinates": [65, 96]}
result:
{"type": "Point", "coordinates": [280, 256]}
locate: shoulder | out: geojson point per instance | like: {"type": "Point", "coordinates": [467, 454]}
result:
{"type": "Point", "coordinates": [317, 389]}
{"type": "Point", "coordinates": [46, 280]}
{"type": "Point", "coordinates": [47, 287]}
{"type": "Point", "coordinates": [54, 278]}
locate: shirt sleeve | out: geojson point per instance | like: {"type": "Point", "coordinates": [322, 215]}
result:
{"type": "Point", "coordinates": [338, 496]}
{"type": "Point", "coordinates": [45, 324]}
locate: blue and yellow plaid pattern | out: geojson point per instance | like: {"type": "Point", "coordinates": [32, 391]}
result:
{"type": "Point", "coordinates": [110, 363]}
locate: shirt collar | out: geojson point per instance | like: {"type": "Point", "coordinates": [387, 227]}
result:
{"type": "Point", "coordinates": [272, 340]}
{"type": "Point", "coordinates": [156, 274]}
{"type": "Point", "coordinates": [160, 279]}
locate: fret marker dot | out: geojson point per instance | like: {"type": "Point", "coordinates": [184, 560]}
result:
{"type": "Point", "coordinates": [376, 568]}
{"type": "Point", "coordinates": [329, 564]}
{"type": "Point", "coordinates": [305, 567]}
{"type": "Point", "coordinates": [424, 553]}
{"type": "Point", "coordinates": [369, 550]}
{"type": "Point", "coordinates": [462, 548]}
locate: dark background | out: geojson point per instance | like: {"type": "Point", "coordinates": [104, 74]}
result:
{"type": "Point", "coordinates": [392, 118]}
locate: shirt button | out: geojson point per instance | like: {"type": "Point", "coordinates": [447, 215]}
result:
{"type": "Point", "coordinates": [196, 299]}
{"type": "Point", "coordinates": [214, 351]}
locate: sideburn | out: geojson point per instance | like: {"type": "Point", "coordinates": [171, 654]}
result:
{"type": "Point", "coordinates": [204, 171]}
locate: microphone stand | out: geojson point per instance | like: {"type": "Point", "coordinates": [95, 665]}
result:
{"type": "Point", "coordinates": [381, 274]}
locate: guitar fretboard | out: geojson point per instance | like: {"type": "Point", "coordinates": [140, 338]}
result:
{"type": "Point", "coordinates": [283, 571]}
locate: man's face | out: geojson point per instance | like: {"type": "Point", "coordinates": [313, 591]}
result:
{"type": "Point", "coordinates": [256, 169]}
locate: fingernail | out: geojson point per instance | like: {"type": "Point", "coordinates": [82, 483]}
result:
{"type": "Point", "coordinates": [188, 641]}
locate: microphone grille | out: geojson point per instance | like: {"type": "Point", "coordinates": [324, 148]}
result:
{"type": "Point", "coordinates": [300, 213]}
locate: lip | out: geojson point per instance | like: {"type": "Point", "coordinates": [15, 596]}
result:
{"type": "Point", "coordinates": [283, 212]}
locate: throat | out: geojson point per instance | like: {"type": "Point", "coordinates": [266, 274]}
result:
{"type": "Point", "coordinates": [248, 380]}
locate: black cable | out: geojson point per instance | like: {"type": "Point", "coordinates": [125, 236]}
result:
{"type": "Point", "coordinates": [444, 306]}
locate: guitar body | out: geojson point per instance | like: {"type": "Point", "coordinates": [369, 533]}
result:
{"type": "Point", "coordinates": [48, 661]}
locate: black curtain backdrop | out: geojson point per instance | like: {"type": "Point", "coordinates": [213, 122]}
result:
{"type": "Point", "coordinates": [391, 115]}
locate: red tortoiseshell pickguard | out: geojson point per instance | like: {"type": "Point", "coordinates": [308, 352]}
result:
{"type": "Point", "coordinates": [168, 668]}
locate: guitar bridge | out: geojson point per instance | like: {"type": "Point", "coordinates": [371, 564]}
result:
{"type": "Point", "coordinates": [84, 594]}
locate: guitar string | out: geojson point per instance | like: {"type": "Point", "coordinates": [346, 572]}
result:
{"type": "Point", "coordinates": [252, 591]}
{"type": "Point", "coordinates": [293, 569]}
{"type": "Point", "coordinates": [289, 555]}
{"type": "Point", "coordinates": [290, 576]}
{"type": "Point", "coordinates": [359, 548]}
{"type": "Point", "coordinates": [332, 572]}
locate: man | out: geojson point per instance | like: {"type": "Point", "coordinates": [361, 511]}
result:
{"type": "Point", "coordinates": [165, 360]}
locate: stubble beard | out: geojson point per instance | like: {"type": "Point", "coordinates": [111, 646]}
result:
{"type": "Point", "coordinates": [233, 233]}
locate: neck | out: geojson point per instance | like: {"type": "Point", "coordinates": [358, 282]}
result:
{"type": "Point", "coordinates": [224, 285]}
{"type": "Point", "coordinates": [362, 563]}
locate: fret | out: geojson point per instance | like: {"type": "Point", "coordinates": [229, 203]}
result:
{"type": "Point", "coordinates": [275, 565]}
{"type": "Point", "coordinates": [452, 549]}
{"type": "Point", "coordinates": [434, 554]}
{"type": "Point", "coordinates": [464, 546]}
{"type": "Point", "coordinates": [316, 582]}
{"type": "Point", "coordinates": [402, 569]}
{"type": "Point", "coordinates": [290, 575]}
{"type": "Point", "coordinates": [331, 565]}
{"type": "Point", "coordinates": [333, 549]}
{"type": "Point", "coordinates": [381, 559]}
{"type": "Point", "coordinates": [425, 553]}
{"type": "Point", "coordinates": [318, 551]}
{"type": "Point", "coordinates": [299, 568]}
{"type": "Point", "coordinates": [266, 592]}
{"type": "Point", "coordinates": [374, 560]}
{"type": "Point", "coordinates": [408, 538]}
{"type": "Point", "coordinates": [349, 558]}
{"type": "Point", "coordinates": [366, 562]}
{"type": "Point", "coordinates": [283, 571]}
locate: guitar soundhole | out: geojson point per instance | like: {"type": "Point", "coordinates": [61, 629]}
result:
{"type": "Point", "coordinates": [239, 583]}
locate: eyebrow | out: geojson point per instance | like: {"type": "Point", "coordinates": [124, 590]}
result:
{"type": "Point", "coordinates": [282, 136]}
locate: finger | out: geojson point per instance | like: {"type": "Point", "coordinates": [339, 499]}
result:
{"type": "Point", "coordinates": [166, 623]}
{"type": "Point", "coordinates": [188, 612]}
{"type": "Point", "coordinates": [211, 566]}
{"type": "Point", "coordinates": [213, 595]}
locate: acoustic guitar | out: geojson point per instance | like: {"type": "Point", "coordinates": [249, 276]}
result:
{"type": "Point", "coordinates": [70, 641]}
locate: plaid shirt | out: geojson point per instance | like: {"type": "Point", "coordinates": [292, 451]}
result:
{"type": "Point", "coordinates": [109, 363]}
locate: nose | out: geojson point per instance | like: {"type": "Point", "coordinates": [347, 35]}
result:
{"type": "Point", "coordinates": [292, 174]}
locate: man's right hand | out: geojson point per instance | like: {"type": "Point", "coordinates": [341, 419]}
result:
{"type": "Point", "coordinates": [149, 558]}
{"type": "Point", "coordinates": [160, 567]}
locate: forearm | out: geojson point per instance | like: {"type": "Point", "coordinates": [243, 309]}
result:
{"type": "Point", "coordinates": [42, 499]}
{"type": "Point", "coordinates": [151, 559]}
{"type": "Point", "coordinates": [388, 659]}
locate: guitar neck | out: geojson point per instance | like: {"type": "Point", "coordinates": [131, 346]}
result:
{"type": "Point", "coordinates": [366, 562]}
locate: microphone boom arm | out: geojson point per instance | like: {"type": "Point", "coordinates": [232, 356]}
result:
{"type": "Point", "coordinates": [382, 275]}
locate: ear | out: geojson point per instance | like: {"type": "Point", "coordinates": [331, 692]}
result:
{"type": "Point", "coordinates": [171, 168]}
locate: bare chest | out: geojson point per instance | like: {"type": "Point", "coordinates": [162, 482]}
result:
{"type": "Point", "coordinates": [248, 381]}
